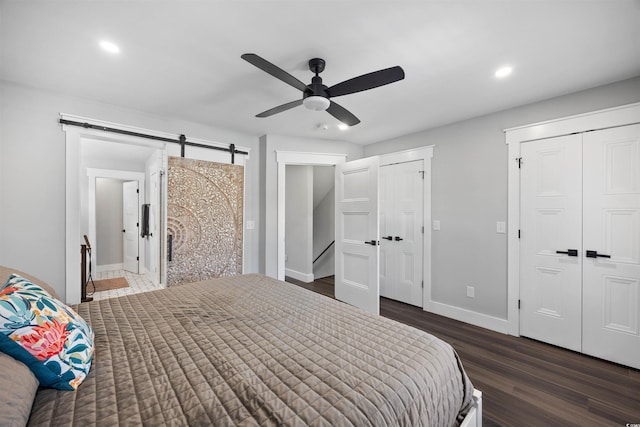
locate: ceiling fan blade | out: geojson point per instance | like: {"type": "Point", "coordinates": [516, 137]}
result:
{"type": "Point", "coordinates": [367, 81]}
{"type": "Point", "coordinates": [276, 72]}
{"type": "Point", "coordinates": [280, 108]}
{"type": "Point", "coordinates": [342, 114]}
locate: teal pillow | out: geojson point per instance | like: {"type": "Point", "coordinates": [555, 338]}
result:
{"type": "Point", "coordinates": [44, 334]}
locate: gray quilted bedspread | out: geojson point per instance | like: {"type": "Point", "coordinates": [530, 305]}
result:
{"type": "Point", "coordinates": [251, 350]}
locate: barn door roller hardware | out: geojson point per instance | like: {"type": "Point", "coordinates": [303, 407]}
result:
{"type": "Point", "coordinates": [182, 140]}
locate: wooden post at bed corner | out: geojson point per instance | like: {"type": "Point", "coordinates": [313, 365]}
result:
{"type": "Point", "coordinates": [83, 274]}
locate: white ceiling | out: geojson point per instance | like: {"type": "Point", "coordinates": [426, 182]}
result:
{"type": "Point", "coordinates": [182, 58]}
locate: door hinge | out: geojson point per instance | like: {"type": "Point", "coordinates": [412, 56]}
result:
{"type": "Point", "coordinates": [518, 304]}
{"type": "Point", "coordinates": [423, 229]}
{"type": "Point", "coordinates": [519, 160]}
{"type": "Point", "coordinates": [137, 258]}
{"type": "Point", "coordinates": [518, 234]}
{"type": "Point", "coordinates": [421, 173]}
{"type": "Point", "coordinates": [423, 284]}
{"type": "Point", "coordinates": [137, 224]}
{"type": "Point", "coordinates": [137, 190]}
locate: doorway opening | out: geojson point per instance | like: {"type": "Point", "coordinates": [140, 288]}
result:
{"type": "Point", "coordinates": [111, 216]}
{"type": "Point", "coordinates": [309, 222]}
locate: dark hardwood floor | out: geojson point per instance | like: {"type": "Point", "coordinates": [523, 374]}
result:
{"type": "Point", "coordinates": [526, 382]}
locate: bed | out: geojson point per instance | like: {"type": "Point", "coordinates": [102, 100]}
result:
{"type": "Point", "coordinates": [251, 350]}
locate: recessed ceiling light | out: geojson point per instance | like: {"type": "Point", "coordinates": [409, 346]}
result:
{"type": "Point", "coordinates": [503, 72]}
{"type": "Point", "coordinates": [343, 126]}
{"type": "Point", "coordinates": [109, 47]}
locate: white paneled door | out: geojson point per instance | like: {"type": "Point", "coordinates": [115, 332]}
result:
{"type": "Point", "coordinates": [357, 236]}
{"type": "Point", "coordinates": [550, 243]}
{"type": "Point", "coordinates": [130, 222]}
{"type": "Point", "coordinates": [401, 241]}
{"type": "Point", "coordinates": [580, 242]}
{"type": "Point", "coordinates": [612, 244]}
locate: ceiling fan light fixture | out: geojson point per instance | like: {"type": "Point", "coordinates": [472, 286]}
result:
{"type": "Point", "coordinates": [316, 103]}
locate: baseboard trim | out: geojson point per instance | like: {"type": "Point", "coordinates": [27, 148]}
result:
{"type": "Point", "coordinates": [472, 317]}
{"type": "Point", "coordinates": [303, 277]}
{"type": "Point", "coordinates": [108, 267]}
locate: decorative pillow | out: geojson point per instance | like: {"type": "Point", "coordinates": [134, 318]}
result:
{"type": "Point", "coordinates": [44, 334]}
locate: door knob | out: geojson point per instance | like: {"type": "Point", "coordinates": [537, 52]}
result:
{"type": "Point", "coordinates": [398, 238]}
{"type": "Point", "coordinates": [570, 252]}
{"type": "Point", "coordinates": [372, 242]}
{"type": "Point", "coordinates": [595, 254]}
{"type": "Point", "coordinates": [387, 237]}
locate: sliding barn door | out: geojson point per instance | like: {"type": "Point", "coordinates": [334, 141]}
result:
{"type": "Point", "coordinates": [204, 220]}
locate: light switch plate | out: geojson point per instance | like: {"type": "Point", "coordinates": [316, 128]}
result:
{"type": "Point", "coordinates": [436, 224]}
{"type": "Point", "coordinates": [501, 227]}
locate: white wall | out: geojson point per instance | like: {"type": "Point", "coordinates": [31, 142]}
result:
{"type": "Point", "coordinates": [299, 222]}
{"type": "Point", "coordinates": [269, 145]}
{"type": "Point", "coordinates": [109, 221]}
{"type": "Point", "coordinates": [324, 233]}
{"type": "Point", "coordinates": [32, 175]}
{"type": "Point", "coordinates": [470, 193]}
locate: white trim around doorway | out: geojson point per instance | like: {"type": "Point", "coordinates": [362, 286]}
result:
{"type": "Point", "coordinates": [284, 158]}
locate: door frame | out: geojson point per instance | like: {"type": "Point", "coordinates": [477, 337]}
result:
{"type": "Point", "coordinates": [514, 137]}
{"type": "Point", "coordinates": [122, 175]}
{"type": "Point", "coordinates": [284, 158]}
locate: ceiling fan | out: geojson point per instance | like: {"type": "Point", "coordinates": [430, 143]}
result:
{"type": "Point", "coordinates": [317, 96]}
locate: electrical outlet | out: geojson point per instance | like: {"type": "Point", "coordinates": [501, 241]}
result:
{"type": "Point", "coordinates": [501, 227]}
{"type": "Point", "coordinates": [471, 292]}
{"type": "Point", "coordinates": [436, 224]}
{"type": "Point", "coordinates": [251, 225]}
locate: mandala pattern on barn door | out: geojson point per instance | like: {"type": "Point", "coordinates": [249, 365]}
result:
{"type": "Point", "coordinates": [204, 218]}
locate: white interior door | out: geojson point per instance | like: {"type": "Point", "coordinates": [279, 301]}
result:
{"type": "Point", "coordinates": [357, 236]}
{"type": "Point", "coordinates": [612, 233]}
{"type": "Point", "coordinates": [551, 212]}
{"type": "Point", "coordinates": [387, 248]}
{"type": "Point", "coordinates": [401, 244]}
{"type": "Point", "coordinates": [130, 220]}
{"type": "Point", "coordinates": [154, 226]}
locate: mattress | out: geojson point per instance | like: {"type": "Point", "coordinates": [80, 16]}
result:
{"type": "Point", "coordinates": [250, 350]}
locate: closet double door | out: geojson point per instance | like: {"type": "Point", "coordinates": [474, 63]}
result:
{"type": "Point", "coordinates": [401, 231]}
{"type": "Point", "coordinates": [580, 243]}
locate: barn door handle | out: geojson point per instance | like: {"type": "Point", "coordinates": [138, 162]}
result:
{"type": "Point", "coordinates": [372, 242]}
{"type": "Point", "coordinates": [570, 252]}
{"type": "Point", "coordinates": [170, 247]}
{"type": "Point", "coordinates": [387, 237]}
{"type": "Point", "coordinates": [595, 254]}
{"type": "Point", "coordinates": [398, 238]}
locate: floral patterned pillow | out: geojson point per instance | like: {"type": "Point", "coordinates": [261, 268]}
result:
{"type": "Point", "coordinates": [45, 334]}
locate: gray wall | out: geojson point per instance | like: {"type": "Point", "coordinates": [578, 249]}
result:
{"type": "Point", "coordinates": [470, 193]}
{"type": "Point", "coordinates": [32, 175]}
{"type": "Point", "coordinates": [299, 218]}
{"type": "Point", "coordinates": [109, 247]}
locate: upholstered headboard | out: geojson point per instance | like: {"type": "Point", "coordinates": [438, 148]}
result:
{"type": "Point", "coordinates": [5, 272]}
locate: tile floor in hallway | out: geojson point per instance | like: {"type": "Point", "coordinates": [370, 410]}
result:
{"type": "Point", "coordinates": [137, 283]}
